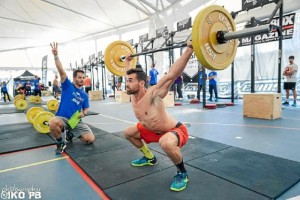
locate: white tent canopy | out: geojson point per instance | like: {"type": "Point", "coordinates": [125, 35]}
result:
{"type": "Point", "coordinates": [87, 27]}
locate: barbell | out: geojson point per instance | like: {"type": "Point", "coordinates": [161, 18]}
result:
{"type": "Point", "coordinates": [213, 38]}
{"type": "Point", "coordinates": [40, 119]}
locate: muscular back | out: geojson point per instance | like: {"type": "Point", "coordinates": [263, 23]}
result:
{"type": "Point", "coordinates": [150, 111]}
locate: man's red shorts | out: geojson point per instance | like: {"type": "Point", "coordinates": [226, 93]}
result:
{"type": "Point", "coordinates": [179, 131]}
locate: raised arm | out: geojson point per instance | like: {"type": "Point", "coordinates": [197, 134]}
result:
{"type": "Point", "coordinates": [58, 64]}
{"type": "Point", "coordinates": [128, 59]}
{"type": "Point", "coordinates": [162, 87]}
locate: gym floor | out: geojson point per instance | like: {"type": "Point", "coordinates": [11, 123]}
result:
{"type": "Point", "coordinates": [227, 157]}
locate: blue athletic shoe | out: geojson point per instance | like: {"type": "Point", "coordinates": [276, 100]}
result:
{"type": "Point", "coordinates": [180, 182]}
{"type": "Point", "coordinates": [144, 161]}
{"type": "Point", "coordinates": [286, 103]}
{"type": "Point", "coordinates": [294, 104]}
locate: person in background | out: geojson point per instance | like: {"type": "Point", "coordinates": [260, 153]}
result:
{"type": "Point", "coordinates": [56, 89]}
{"type": "Point", "coordinates": [200, 80]}
{"type": "Point", "coordinates": [178, 84]}
{"type": "Point", "coordinates": [119, 83]}
{"type": "Point", "coordinates": [20, 89]}
{"type": "Point", "coordinates": [153, 75]}
{"type": "Point", "coordinates": [4, 90]}
{"type": "Point", "coordinates": [87, 84]}
{"type": "Point", "coordinates": [36, 85]}
{"type": "Point", "coordinates": [28, 88]}
{"type": "Point", "coordinates": [212, 85]}
{"type": "Point", "coordinates": [290, 72]}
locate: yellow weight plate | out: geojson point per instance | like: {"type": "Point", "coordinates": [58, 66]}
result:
{"type": "Point", "coordinates": [209, 52]}
{"type": "Point", "coordinates": [56, 106]}
{"type": "Point", "coordinates": [37, 99]}
{"type": "Point", "coordinates": [41, 122]}
{"type": "Point", "coordinates": [113, 54]}
{"type": "Point", "coordinates": [21, 96]}
{"type": "Point", "coordinates": [51, 104]}
{"type": "Point", "coordinates": [32, 112]}
{"type": "Point", "coordinates": [21, 104]}
{"type": "Point", "coordinates": [31, 99]}
{"type": "Point", "coordinates": [15, 101]}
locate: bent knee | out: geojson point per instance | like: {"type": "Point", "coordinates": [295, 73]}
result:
{"type": "Point", "coordinates": [54, 122]}
{"type": "Point", "coordinates": [128, 133]}
{"type": "Point", "coordinates": [167, 144]}
{"type": "Point", "coordinates": [88, 138]}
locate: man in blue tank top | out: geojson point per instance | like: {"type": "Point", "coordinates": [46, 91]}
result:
{"type": "Point", "coordinates": [73, 100]}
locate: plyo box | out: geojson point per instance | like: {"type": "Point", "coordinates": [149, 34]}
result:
{"type": "Point", "coordinates": [122, 97]}
{"type": "Point", "coordinates": [262, 105]}
{"type": "Point", "coordinates": [95, 95]}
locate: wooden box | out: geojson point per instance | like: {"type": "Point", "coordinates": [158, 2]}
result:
{"type": "Point", "coordinates": [95, 95]}
{"type": "Point", "coordinates": [169, 99]}
{"type": "Point", "coordinates": [122, 97]}
{"type": "Point", "coordinates": [46, 93]}
{"type": "Point", "coordinates": [263, 106]}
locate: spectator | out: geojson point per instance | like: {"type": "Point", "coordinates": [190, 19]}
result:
{"type": "Point", "coordinates": [28, 88]}
{"type": "Point", "coordinates": [178, 84]}
{"type": "Point", "coordinates": [56, 88]}
{"type": "Point", "coordinates": [290, 72]}
{"type": "Point", "coordinates": [119, 83]}
{"type": "Point", "coordinates": [153, 75]}
{"type": "Point", "coordinates": [213, 85]}
{"type": "Point", "coordinates": [200, 80]}
{"type": "Point", "coordinates": [87, 84]}
{"type": "Point", "coordinates": [36, 85]}
{"type": "Point", "coordinates": [4, 91]}
{"type": "Point", "coordinates": [20, 89]}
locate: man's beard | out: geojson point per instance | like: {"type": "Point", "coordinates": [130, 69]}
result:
{"type": "Point", "coordinates": [129, 91]}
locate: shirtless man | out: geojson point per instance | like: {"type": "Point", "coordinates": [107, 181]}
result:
{"type": "Point", "coordinates": [155, 124]}
{"type": "Point", "coordinates": [56, 89]}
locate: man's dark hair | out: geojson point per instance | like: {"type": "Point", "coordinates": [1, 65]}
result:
{"type": "Point", "coordinates": [75, 72]}
{"type": "Point", "coordinates": [292, 57]}
{"type": "Point", "coordinates": [140, 74]}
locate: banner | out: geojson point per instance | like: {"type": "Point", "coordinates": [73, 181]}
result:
{"type": "Point", "coordinates": [162, 32]}
{"type": "Point", "coordinates": [44, 69]}
{"type": "Point", "coordinates": [143, 38]}
{"type": "Point", "coordinates": [184, 24]}
{"type": "Point", "coordinates": [191, 68]}
{"type": "Point", "coordinates": [241, 87]}
{"type": "Point", "coordinates": [250, 4]}
{"type": "Point", "coordinates": [288, 22]}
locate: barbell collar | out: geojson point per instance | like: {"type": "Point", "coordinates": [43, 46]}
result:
{"type": "Point", "coordinates": [223, 37]}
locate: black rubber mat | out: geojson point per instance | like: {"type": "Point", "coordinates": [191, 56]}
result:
{"type": "Point", "coordinates": [9, 110]}
{"type": "Point", "coordinates": [114, 167]}
{"type": "Point", "coordinates": [195, 148]}
{"type": "Point", "coordinates": [267, 175]}
{"type": "Point", "coordinates": [15, 137]}
{"type": "Point", "coordinates": [201, 186]}
{"type": "Point", "coordinates": [103, 142]}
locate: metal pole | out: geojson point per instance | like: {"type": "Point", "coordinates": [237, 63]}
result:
{"type": "Point", "coordinates": [105, 89]}
{"type": "Point", "coordinates": [280, 48]}
{"type": "Point", "coordinates": [232, 82]}
{"type": "Point", "coordinates": [204, 76]}
{"type": "Point", "coordinates": [252, 65]}
{"type": "Point", "coordinates": [103, 83]}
